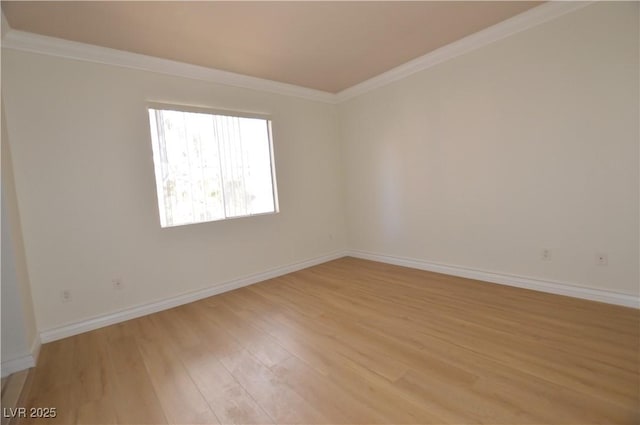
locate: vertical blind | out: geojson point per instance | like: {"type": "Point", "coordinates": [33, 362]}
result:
{"type": "Point", "coordinates": [211, 167]}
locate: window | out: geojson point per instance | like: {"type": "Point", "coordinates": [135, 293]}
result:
{"type": "Point", "coordinates": [211, 166]}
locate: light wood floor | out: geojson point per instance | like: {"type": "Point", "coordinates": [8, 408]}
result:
{"type": "Point", "coordinates": [348, 342]}
{"type": "Point", "coordinates": [11, 389]}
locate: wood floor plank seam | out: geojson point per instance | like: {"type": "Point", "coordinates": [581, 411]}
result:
{"type": "Point", "coordinates": [200, 391]}
{"type": "Point", "coordinates": [113, 365]}
{"type": "Point", "coordinates": [352, 341]}
{"type": "Point", "coordinates": [248, 389]}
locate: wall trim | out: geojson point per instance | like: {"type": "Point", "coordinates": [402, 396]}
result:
{"type": "Point", "coordinates": [35, 349]}
{"type": "Point", "coordinates": [96, 322]}
{"type": "Point", "coordinates": [552, 287]}
{"type": "Point", "coordinates": [35, 43]}
{"type": "Point", "coordinates": [24, 362]}
{"type": "Point", "coordinates": [16, 365]}
{"type": "Point", "coordinates": [518, 23]}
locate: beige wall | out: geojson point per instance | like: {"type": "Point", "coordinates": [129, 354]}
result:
{"type": "Point", "coordinates": [528, 143]}
{"type": "Point", "coordinates": [19, 332]}
{"type": "Point", "coordinates": [86, 191]}
{"type": "Point", "coordinates": [479, 162]}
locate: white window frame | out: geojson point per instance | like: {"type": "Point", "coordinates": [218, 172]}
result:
{"type": "Point", "coordinates": [210, 111]}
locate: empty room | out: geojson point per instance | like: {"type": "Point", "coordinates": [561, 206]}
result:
{"type": "Point", "coordinates": [421, 212]}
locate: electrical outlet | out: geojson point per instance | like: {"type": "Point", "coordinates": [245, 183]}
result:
{"type": "Point", "coordinates": [118, 284]}
{"type": "Point", "coordinates": [65, 295]}
{"type": "Point", "coordinates": [602, 259]}
{"type": "Point", "coordinates": [546, 255]}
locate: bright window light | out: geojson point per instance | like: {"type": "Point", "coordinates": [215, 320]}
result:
{"type": "Point", "coordinates": [211, 167]}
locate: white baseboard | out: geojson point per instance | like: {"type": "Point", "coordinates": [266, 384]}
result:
{"type": "Point", "coordinates": [16, 365]}
{"type": "Point", "coordinates": [97, 322]}
{"type": "Point", "coordinates": [504, 279]}
{"type": "Point", "coordinates": [35, 349]}
{"type": "Point", "coordinates": [24, 362]}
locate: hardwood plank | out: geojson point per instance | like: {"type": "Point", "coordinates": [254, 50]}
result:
{"type": "Point", "coordinates": [100, 411]}
{"type": "Point", "coordinates": [181, 400]}
{"type": "Point", "coordinates": [362, 384]}
{"type": "Point", "coordinates": [280, 402]}
{"type": "Point", "coordinates": [92, 376]}
{"type": "Point", "coordinates": [250, 338]}
{"type": "Point", "coordinates": [319, 390]}
{"type": "Point", "coordinates": [24, 396]}
{"type": "Point", "coordinates": [52, 380]}
{"type": "Point", "coordinates": [12, 387]}
{"type": "Point", "coordinates": [353, 341]}
{"type": "Point", "coordinates": [229, 401]}
{"type": "Point", "coordinates": [135, 399]}
{"type": "Point", "coordinates": [57, 398]}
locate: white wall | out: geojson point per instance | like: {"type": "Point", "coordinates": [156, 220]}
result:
{"type": "Point", "coordinates": [19, 335]}
{"type": "Point", "coordinates": [14, 341]}
{"type": "Point", "coordinates": [85, 184]}
{"type": "Point", "coordinates": [525, 144]}
{"type": "Point", "coordinates": [479, 162]}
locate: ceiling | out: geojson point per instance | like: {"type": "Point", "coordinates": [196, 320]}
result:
{"type": "Point", "coordinates": [328, 46]}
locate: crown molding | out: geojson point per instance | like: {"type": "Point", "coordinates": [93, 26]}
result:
{"type": "Point", "coordinates": [35, 43]}
{"type": "Point", "coordinates": [523, 21]}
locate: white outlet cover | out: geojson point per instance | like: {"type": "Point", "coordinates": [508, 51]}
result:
{"type": "Point", "coordinates": [546, 255]}
{"type": "Point", "coordinates": [65, 295]}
